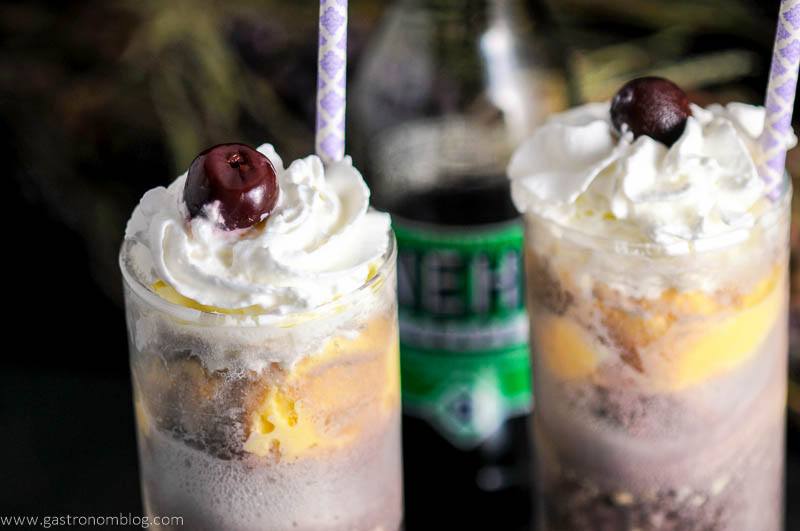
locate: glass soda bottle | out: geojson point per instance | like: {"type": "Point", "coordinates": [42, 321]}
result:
{"type": "Point", "coordinates": [444, 93]}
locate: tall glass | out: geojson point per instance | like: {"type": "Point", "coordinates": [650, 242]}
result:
{"type": "Point", "coordinates": [659, 380]}
{"type": "Point", "coordinates": [252, 422]}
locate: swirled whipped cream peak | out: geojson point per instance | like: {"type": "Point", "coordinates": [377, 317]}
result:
{"type": "Point", "coordinates": [241, 231]}
{"type": "Point", "coordinates": [685, 182]}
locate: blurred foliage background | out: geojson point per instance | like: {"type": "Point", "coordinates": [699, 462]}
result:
{"type": "Point", "coordinates": [104, 99]}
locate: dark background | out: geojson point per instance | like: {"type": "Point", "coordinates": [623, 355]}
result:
{"type": "Point", "coordinates": [102, 100]}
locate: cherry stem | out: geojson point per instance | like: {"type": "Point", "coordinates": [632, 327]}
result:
{"type": "Point", "coordinates": [235, 160]}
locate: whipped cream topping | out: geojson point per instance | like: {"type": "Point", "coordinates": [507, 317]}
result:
{"type": "Point", "coordinates": [702, 192]}
{"type": "Point", "coordinates": [321, 241]}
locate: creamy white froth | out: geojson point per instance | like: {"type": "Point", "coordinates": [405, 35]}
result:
{"type": "Point", "coordinates": [702, 192]}
{"type": "Point", "coordinates": [321, 241]}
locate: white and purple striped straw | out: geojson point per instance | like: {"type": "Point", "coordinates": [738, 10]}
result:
{"type": "Point", "coordinates": [331, 79]}
{"type": "Point", "coordinates": [780, 96]}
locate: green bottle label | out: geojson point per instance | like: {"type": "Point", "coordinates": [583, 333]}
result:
{"type": "Point", "coordinates": [463, 327]}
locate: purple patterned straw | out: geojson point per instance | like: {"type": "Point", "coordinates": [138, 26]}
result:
{"type": "Point", "coordinates": [331, 79]}
{"type": "Point", "coordinates": [780, 96]}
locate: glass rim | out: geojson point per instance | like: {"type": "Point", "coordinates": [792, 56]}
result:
{"type": "Point", "coordinates": [766, 219]}
{"type": "Point", "coordinates": [146, 292]}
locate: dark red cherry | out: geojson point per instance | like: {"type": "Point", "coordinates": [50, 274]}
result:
{"type": "Point", "coordinates": [651, 106]}
{"type": "Point", "coordinates": [237, 176]}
